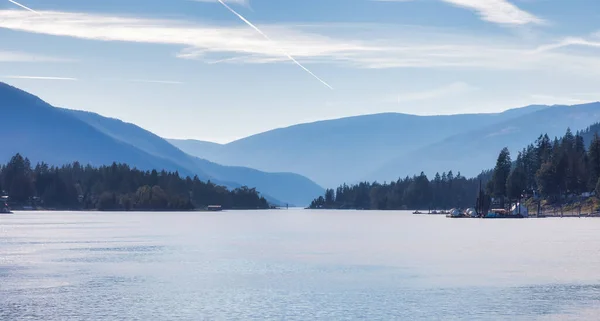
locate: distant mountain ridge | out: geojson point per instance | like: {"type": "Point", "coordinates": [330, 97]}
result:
{"type": "Point", "coordinates": [470, 151]}
{"type": "Point", "coordinates": [384, 147]}
{"type": "Point", "coordinates": [331, 152]}
{"type": "Point", "coordinates": [59, 136]}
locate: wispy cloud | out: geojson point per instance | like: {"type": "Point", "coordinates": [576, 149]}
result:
{"type": "Point", "coordinates": [200, 40]}
{"type": "Point", "coordinates": [13, 56]}
{"type": "Point", "coordinates": [496, 11]}
{"type": "Point", "coordinates": [386, 47]}
{"type": "Point", "coordinates": [571, 41]}
{"type": "Point", "coordinates": [560, 100]}
{"type": "Point", "coordinates": [148, 81]}
{"type": "Point", "coordinates": [39, 78]}
{"type": "Point", "coordinates": [230, 59]}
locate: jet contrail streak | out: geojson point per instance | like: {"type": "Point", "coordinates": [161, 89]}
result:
{"type": "Point", "coordinates": [267, 37]}
{"type": "Point", "coordinates": [24, 7]}
{"type": "Point", "coordinates": [39, 78]}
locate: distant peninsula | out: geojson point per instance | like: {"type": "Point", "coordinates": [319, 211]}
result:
{"type": "Point", "coordinates": [117, 187]}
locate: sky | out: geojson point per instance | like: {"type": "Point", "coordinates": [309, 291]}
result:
{"type": "Point", "coordinates": [200, 69]}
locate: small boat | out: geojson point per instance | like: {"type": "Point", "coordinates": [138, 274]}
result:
{"type": "Point", "coordinates": [214, 208]}
{"type": "Point", "coordinates": [455, 213]}
{"type": "Point", "coordinates": [4, 209]}
{"type": "Point", "coordinates": [417, 212]}
{"type": "Point", "coordinates": [502, 213]}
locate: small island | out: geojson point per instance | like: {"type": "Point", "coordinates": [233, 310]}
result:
{"type": "Point", "coordinates": [117, 187]}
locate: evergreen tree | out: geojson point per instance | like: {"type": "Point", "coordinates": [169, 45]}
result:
{"type": "Point", "coordinates": [517, 180]}
{"type": "Point", "coordinates": [329, 197]}
{"type": "Point", "coordinates": [594, 161]}
{"type": "Point", "coordinates": [17, 178]}
{"type": "Point", "coordinates": [500, 176]}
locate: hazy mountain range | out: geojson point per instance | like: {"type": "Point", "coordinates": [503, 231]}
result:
{"type": "Point", "coordinates": [281, 163]}
{"type": "Point", "coordinates": [58, 136]}
{"type": "Point", "coordinates": [384, 147]}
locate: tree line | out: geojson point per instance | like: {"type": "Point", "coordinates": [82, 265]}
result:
{"type": "Point", "coordinates": [551, 169]}
{"type": "Point", "coordinates": [555, 170]}
{"type": "Point", "coordinates": [115, 187]}
{"type": "Point", "coordinates": [445, 191]}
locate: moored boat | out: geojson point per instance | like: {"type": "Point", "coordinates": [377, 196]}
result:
{"type": "Point", "coordinates": [4, 209]}
{"type": "Point", "coordinates": [456, 213]}
{"type": "Point", "coordinates": [502, 213]}
{"type": "Point", "coordinates": [214, 208]}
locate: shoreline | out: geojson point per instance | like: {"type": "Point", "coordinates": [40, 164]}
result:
{"type": "Point", "coordinates": [21, 209]}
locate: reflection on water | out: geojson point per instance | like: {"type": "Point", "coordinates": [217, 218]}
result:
{"type": "Point", "coordinates": [295, 265]}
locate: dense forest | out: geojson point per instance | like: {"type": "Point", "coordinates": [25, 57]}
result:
{"type": "Point", "coordinates": [115, 187]}
{"type": "Point", "coordinates": [550, 169]}
{"type": "Point", "coordinates": [418, 192]}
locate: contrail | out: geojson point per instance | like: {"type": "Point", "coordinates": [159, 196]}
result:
{"type": "Point", "coordinates": [24, 7]}
{"type": "Point", "coordinates": [267, 37]}
{"type": "Point", "coordinates": [39, 78]}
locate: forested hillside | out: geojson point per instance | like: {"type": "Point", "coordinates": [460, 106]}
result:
{"type": "Point", "coordinates": [552, 169]}
{"type": "Point", "coordinates": [418, 192]}
{"type": "Point", "coordinates": [61, 136]}
{"type": "Point", "coordinates": [115, 187]}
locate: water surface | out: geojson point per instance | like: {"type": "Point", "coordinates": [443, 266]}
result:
{"type": "Point", "coordinates": [296, 265]}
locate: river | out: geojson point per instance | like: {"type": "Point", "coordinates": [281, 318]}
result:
{"type": "Point", "coordinates": [296, 265]}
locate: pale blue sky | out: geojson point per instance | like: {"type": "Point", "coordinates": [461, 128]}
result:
{"type": "Point", "coordinates": [192, 69]}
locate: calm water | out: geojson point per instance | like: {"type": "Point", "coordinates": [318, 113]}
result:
{"type": "Point", "coordinates": [296, 265]}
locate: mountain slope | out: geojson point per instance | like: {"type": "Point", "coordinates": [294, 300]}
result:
{"type": "Point", "coordinates": [287, 187]}
{"type": "Point", "coordinates": [342, 150]}
{"type": "Point", "coordinates": [477, 149]}
{"type": "Point", "coordinates": [206, 148]}
{"type": "Point", "coordinates": [58, 136]}
{"type": "Point", "coordinates": [43, 133]}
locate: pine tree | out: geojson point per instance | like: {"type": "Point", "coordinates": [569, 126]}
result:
{"type": "Point", "coordinates": [594, 161]}
{"type": "Point", "coordinates": [329, 198]}
{"type": "Point", "coordinates": [517, 180]}
{"type": "Point", "coordinates": [500, 176]}
{"type": "Point", "coordinates": [18, 179]}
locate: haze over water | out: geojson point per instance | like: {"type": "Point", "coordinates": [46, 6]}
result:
{"type": "Point", "coordinates": [296, 265]}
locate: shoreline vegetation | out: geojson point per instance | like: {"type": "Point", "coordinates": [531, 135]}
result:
{"type": "Point", "coordinates": [559, 177]}
{"type": "Point", "coordinates": [118, 187]}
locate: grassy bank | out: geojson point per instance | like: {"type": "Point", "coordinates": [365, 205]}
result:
{"type": "Point", "coordinates": [583, 207]}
